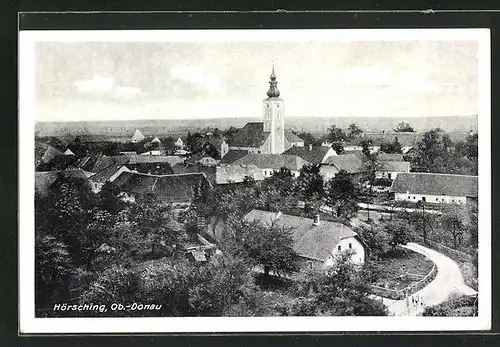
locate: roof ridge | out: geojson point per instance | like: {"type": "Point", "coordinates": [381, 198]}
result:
{"type": "Point", "coordinates": [437, 173]}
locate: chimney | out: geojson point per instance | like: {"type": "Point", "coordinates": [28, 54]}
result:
{"type": "Point", "coordinates": [316, 220]}
{"type": "Point", "coordinates": [310, 147]}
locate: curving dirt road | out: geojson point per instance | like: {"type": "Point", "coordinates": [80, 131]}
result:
{"type": "Point", "coordinates": [448, 280]}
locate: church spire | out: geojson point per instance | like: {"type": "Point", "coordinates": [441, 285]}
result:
{"type": "Point", "coordinates": [273, 91]}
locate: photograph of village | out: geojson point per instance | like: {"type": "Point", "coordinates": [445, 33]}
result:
{"type": "Point", "coordinates": [256, 179]}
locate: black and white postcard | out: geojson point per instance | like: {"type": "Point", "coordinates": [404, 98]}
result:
{"type": "Point", "coordinates": [254, 180]}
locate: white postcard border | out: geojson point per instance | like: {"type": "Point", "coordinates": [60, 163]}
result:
{"type": "Point", "coordinates": [29, 324]}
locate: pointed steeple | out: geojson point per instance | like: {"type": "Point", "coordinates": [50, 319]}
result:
{"type": "Point", "coordinates": [273, 91]}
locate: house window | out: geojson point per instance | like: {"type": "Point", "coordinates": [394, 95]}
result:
{"type": "Point", "coordinates": [442, 200]}
{"type": "Point", "coordinates": [310, 263]}
{"type": "Point", "coordinates": [408, 197]}
{"type": "Point", "coordinates": [350, 245]}
{"type": "Point", "coordinates": [339, 247]}
{"type": "Point", "coordinates": [389, 175]}
{"type": "Point", "coordinates": [413, 198]}
{"type": "Point", "coordinates": [423, 198]}
{"type": "Point", "coordinates": [437, 199]}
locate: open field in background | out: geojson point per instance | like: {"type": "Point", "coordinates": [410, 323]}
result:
{"type": "Point", "coordinates": [315, 125]}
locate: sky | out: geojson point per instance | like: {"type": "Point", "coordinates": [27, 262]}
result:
{"type": "Point", "coordinates": [78, 81]}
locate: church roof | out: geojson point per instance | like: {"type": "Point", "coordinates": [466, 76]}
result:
{"type": "Point", "coordinates": [291, 137]}
{"type": "Point", "coordinates": [251, 135]}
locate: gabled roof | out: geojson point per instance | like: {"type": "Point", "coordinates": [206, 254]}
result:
{"type": "Point", "coordinates": [291, 137]}
{"type": "Point", "coordinates": [168, 188]}
{"type": "Point", "coordinates": [347, 162]}
{"type": "Point", "coordinates": [68, 152]}
{"type": "Point", "coordinates": [251, 135]}
{"type": "Point", "coordinates": [45, 153]}
{"type": "Point", "coordinates": [233, 155]}
{"type": "Point", "coordinates": [105, 174]}
{"type": "Point", "coordinates": [314, 155]}
{"type": "Point", "coordinates": [272, 161]}
{"type": "Point", "coordinates": [138, 136]}
{"type": "Point", "coordinates": [381, 156]}
{"type": "Point", "coordinates": [394, 166]}
{"type": "Point", "coordinates": [209, 171]}
{"type": "Point", "coordinates": [234, 173]}
{"type": "Point", "coordinates": [310, 241]}
{"type": "Point", "coordinates": [435, 184]}
{"type": "Point", "coordinates": [45, 179]}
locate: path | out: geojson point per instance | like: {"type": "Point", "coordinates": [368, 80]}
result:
{"type": "Point", "coordinates": [448, 280]}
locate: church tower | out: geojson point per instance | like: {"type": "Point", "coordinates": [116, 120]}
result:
{"type": "Point", "coordinates": [274, 118]}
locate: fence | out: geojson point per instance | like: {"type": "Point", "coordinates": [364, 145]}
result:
{"type": "Point", "coordinates": [401, 293]}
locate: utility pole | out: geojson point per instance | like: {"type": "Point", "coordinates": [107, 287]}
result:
{"type": "Point", "coordinates": [423, 223]}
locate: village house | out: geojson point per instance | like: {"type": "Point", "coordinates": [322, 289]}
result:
{"type": "Point", "coordinates": [317, 242]}
{"type": "Point", "coordinates": [44, 180]}
{"type": "Point", "coordinates": [179, 143]}
{"type": "Point", "coordinates": [390, 169]}
{"type": "Point", "coordinates": [137, 137]}
{"type": "Point", "coordinates": [314, 155]}
{"type": "Point", "coordinates": [268, 163]}
{"type": "Point", "coordinates": [177, 190]}
{"type": "Point", "coordinates": [108, 174]}
{"type": "Point", "coordinates": [350, 163]}
{"type": "Point", "coordinates": [435, 187]}
{"type": "Point", "coordinates": [231, 174]}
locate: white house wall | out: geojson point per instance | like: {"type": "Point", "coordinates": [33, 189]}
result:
{"type": "Point", "coordinates": [328, 171]}
{"type": "Point", "coordinates": [430, 198]}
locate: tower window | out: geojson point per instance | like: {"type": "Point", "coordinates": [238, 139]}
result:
{"type": "Point", "coordinates": [339, 247]}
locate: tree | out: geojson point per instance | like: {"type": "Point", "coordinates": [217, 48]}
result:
{"type": "Point", "coordinates": [429, 152]}
{"type": "Point", "coordinates": [472, 146]}
{"type": "Point", "coordinates": [376, 240]}
{"type": "Point", "coordinates": [453, 221]}
{"type": "Point", "coordinates": [270, 246]}
{"type": "Point", "coordinates": [335, 134]}
{"type": "Point", "coordinates": [365, 145]}
{"type": "Point", "coordinates": [341, 290]}
{"type": "Point", "coordinates": [310, 182]}
{"type": "Point", "coordinates": [404, 127]}
{"type": "Point", "coordinates": [308, 138]}
{"type": "Point", "coordinates": [399, 233]}
{"type": "Point", "coordinates": [338, 147]}
{"type": "Point", "coordinates": [353, 131]}
{"type": "Point", "coordinates": [53, 266]}
{"type": "Point", "coordinates": [340, 195]}
{"type": "Point", "coordinates": [391, 147]}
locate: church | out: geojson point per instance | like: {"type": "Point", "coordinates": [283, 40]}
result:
{"type": "Point", "coordinates": [270, 136]}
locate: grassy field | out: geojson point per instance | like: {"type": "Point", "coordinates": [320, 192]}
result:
{"type": "Point", "coordinates": [402, 267]}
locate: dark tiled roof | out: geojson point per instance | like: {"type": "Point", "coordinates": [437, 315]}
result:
{"type": "Point", "coordinates": [394, 166]}
{"type": "Point", "coordinates": [291, 137]}
{"type": "Point", "coordinates": [234, 173]}
{"type": "Point", "coordinates": [45, 179]}
{"type": "Point", "coordinates": [310, 241]}
{"type": "Point", "coordinates": [347, 162]}
{"type": "Point", "coordinates": [272, 161]}
{"type": "Point", "coordinates": [233, 155]}
{"type": "Point", "coordinates": [105, 174]}
{"type": "Point", "coordinates": [435, 184]}
{"type": "Point", "coordinates": [209, 171]}
{"type": "Point", "coordinates": [251, 135]}
{"type": "Point", "coordinates": [314, 156]}
{"type": "Point", "coordinates": [168, 188]}
{"type": "Point", "coordinates": [358, 154]}
{"type": "Point", "coordinates": [152, 168]}
{"type": "Point", "coordinates": [381, 156]}
{"type": "Point", "coordinates": [45, 153]}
